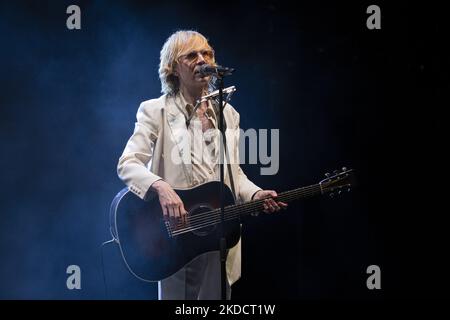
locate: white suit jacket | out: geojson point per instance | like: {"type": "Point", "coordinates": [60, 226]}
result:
{"type": "Point", "coordinates": [160, 149]}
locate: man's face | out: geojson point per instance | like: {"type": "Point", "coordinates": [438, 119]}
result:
{"type": "Point", "coordinates": [187, 68]}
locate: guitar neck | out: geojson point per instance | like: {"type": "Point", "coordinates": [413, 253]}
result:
{"type": "Point", "coordinates": [337, 182]}
{"type": "Point", "coordinates": [254, 206]}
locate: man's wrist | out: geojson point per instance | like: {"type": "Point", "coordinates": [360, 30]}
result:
{"type": "Point", "coordinates": [253, 196]}
{"type": "Point", "coordinates": [155, 186]}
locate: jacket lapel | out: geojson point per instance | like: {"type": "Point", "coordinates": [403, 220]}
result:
{"type": "Point", "coordinates": [181, 137]}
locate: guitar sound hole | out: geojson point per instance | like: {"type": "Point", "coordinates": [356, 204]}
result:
{"type": "Point", "coordinates": [199, 219]}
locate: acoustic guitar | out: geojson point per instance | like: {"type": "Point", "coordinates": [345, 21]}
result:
{"type": "Point", "coordinates": [154, 248]}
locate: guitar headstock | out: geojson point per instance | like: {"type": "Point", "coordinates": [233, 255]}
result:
{"type": "Point", "coordinates": [338, 182]}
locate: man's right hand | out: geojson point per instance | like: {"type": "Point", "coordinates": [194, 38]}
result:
{"type": "Point", "coordinates": [171, 204]}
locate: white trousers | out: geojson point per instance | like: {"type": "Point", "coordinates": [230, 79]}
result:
{"type": "Point", "coordinates": [198, 280]}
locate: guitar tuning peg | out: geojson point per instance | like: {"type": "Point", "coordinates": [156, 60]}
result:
{"type": "Point", "coordinates": [327, 174]}
{"type": "Point", "coordinates": [348, 189]}
{"type": "Point", "coordinates": [340, 191]}
{"type": "Point", "coordinates": [344, 168]}
{"type": "Point", "coordinates": [331, 195]}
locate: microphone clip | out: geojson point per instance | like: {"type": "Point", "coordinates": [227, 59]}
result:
{"type": "Point", "coordinates": [228, 92]}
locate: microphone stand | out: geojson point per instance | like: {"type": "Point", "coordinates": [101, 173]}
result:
{"type": "Point", "coordinates": [220, 73]}
{"type": "Point", "coordinates": [222, 146]}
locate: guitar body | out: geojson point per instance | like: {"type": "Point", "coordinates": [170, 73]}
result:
{"type": "Point", "coordinates": [147, 248]}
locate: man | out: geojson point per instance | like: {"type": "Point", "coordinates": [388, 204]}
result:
{"type": "Point", "coordinates": [166, 151]}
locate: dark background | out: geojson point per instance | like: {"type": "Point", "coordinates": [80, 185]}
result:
{"type": "Point", "coordinates": [341, 95]}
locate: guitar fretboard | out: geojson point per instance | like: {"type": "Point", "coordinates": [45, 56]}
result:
{"type": "Point", "coordinates": [235, 211]}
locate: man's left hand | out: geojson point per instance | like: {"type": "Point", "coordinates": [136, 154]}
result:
{"type": "Point", "coordinates": [270, 205]}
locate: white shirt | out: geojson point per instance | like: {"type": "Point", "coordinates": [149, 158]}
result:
{"type": "Point", "coordinates": [204, 144]}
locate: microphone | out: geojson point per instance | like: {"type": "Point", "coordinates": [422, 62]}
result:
{"type": "Point", "coordinates": [207, 69]}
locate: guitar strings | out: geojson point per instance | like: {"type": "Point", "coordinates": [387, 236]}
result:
{"type": "Point", "coordinates": [253, 205]}
{"type": "Point", "coordinates": [231, 212]}
{"type": "Point", "coordinates": [204, 224]}
{"type": "Point", "coordinates": [213, 221]}
{"type": "Point", "coordinates": [213, 217]}
{"type": "Point", "coordinates": [257, 204]}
